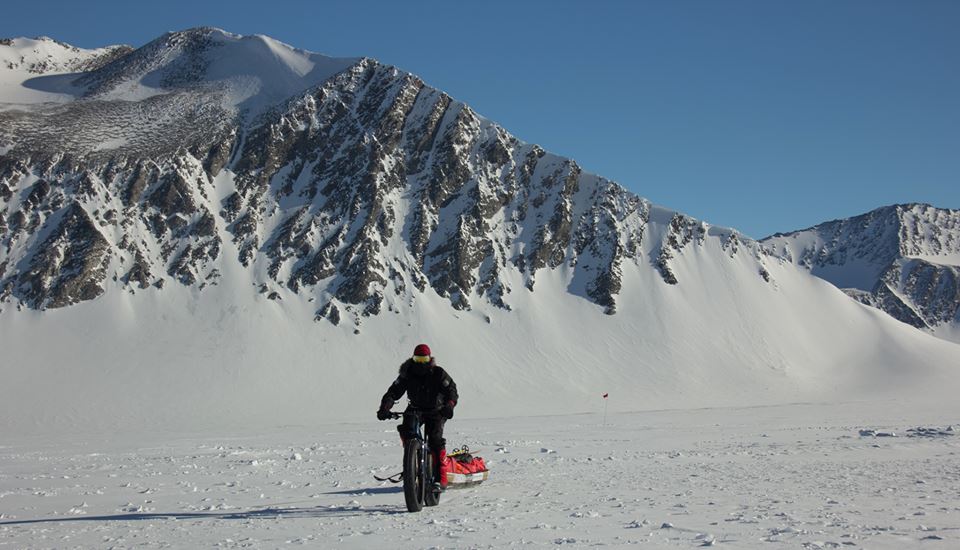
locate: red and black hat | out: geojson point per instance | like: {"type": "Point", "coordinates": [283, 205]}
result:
{"type": "Point", "coordinates": [421, 353]}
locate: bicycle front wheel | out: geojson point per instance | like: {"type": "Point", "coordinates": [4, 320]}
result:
{"type": "Point", "coordinates": [413, 475]}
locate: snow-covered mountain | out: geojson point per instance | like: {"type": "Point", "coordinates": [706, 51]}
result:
{"type": "Point", "coordinates": [903, 259]}
{"type": "Point", "coordinates": [360, 189]}
{"type": "Point", "coordinates": [245, 231]}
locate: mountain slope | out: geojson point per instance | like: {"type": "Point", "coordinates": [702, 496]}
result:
{"type": "Point", "coordinates": [24, 60]}
{"type": "Point", "coordinates": [903, 259]}
{"type": "Point", "coordinates": [224, 229]}
{"type": "Point", "coordinates": [359, 192]}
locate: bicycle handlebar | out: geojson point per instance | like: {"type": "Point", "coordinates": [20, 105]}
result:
{"type": "Point", "coordinates": [411, 410]}
{"type": "Point", "coordinates": [421, 410]}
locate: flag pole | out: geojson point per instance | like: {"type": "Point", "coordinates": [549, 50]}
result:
{"type": "Point", "coordinates": [605, 408]}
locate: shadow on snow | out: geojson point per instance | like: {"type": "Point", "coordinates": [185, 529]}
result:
{"type": "Point", "coordinates": [264, 513]}
{"type": "Point", "coordinates": [370, 491]}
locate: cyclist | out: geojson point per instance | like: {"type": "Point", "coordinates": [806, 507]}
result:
{"type": "Point", "coordinates": [427, 387]}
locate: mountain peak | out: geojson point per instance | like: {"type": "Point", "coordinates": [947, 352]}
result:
{"type": "Point", "coordinates": [45, 55]}
{"type": "Point", "coordinates": [247, 73]}
{"type": "Point", "coordinates": [902, 258]}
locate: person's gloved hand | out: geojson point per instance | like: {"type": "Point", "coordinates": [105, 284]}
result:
{"type": "Point", "coordinates": [446, 411]}
{"type": "Point", "coordinates": [383, 414]}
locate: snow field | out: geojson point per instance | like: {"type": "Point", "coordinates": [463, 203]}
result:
{"type": "Point", "coordinates": [791, 476]}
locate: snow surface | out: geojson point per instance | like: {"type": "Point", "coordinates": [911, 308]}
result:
{"type": "Point", "coordinates": [789, 476]}
{"type": "Point", "coordinates": [256, 71]}
{"type": "Point", "coordinates": [950, 332]}
{"type": "Point", "coordinates": [253, 73]}
{"type": "Point", "coordinates": [952, 258]}
{"type": "Point", "coordinates": [859, 273]}
{"type": "Point", "coordinates": [24, 57]}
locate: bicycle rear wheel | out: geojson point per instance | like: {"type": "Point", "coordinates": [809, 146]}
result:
{"type": "Point", "coordinates": [431, 496]}
{"type": "Point", "coordinates": [413, 475]}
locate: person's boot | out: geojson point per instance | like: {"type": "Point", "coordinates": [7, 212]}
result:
{"type": "Point", "coordinates": [443, 469]}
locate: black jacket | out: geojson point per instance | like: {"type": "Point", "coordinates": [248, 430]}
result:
{"type": "Point", "coordinates": [427, 387]}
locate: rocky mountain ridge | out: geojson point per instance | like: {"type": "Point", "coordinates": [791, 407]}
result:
{"type": "Point", "coordinates": [355, 186]}
{"type": "Point", "coordinates": [359, 193]}
{"type": "Point", "coordinates": [903, 259]}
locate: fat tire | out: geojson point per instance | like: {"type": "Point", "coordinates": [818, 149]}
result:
{"type": "Point", "coordinates": [431, 497]}
{"type": "Point", "coordinates": [412, 475]}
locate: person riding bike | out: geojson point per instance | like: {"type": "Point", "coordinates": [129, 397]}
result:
{"type": "Point", "coordinates": [428, 387]}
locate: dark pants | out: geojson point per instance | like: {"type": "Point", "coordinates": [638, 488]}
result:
{"type": "Point", "coordinates": [432, 429]}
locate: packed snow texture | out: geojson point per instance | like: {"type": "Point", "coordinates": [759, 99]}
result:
{"type": "Point", "coordinates": [790, 476]}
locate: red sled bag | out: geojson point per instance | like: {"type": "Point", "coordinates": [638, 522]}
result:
{"type": "Point", "coordinates": [464, 469]}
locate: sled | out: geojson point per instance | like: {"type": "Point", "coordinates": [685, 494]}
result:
{"type": "Point", "coordinates": [464, 469]}
{"type": "Point", "coordinates": [460, 481]}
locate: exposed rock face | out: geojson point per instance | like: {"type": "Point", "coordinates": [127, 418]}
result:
{"type": "Point", "coordinates": [374, 161]}
{"type": "Point", "coordinates": [917, 292]}
{"type": "Point", "coordinates": [69, 266]}
{"type": "Point", "coordinates": [902, 259]}
{"type": "Point", "coordinates": [682, 232]}
{"type": "Point", "coordinates": [361, 193]}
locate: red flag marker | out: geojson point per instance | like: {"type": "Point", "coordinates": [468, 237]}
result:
{"type": "Point", "coordinates": [605, 408]}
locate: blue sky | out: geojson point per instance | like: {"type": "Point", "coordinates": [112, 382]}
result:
{"type": "Point", "coordinates": [761, 115]}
